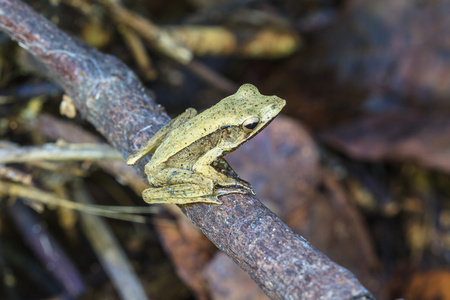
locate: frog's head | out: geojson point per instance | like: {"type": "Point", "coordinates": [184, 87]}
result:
{"type": "Point", "coordinates": [251, 111]}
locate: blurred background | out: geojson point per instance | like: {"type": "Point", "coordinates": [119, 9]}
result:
{"type": "Point", "coordinates": [358, 163]}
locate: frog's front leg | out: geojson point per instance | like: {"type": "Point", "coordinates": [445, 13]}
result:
{"type": "Point", "coordinates": [223, 167]}
{"type": "Point", "coordinates": [204, 166]}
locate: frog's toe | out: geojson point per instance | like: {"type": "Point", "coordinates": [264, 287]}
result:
{"type": "Point", "coordinates": [235, 190]}
{"type": "Point", "coordinates": [235, 183]}
{"type": "Point", "coordinates": [245, 184]}
{"type": "Point", "coordinates": [211, 200]}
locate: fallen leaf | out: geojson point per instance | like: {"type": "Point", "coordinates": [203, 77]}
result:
{"type": "Point", "coordinates": [406, 136]}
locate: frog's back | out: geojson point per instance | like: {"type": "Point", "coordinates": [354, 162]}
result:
{"type": "Point", "coordinates": [186, 135]}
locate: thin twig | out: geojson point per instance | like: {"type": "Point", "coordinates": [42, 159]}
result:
{"type": "Point", "coordinates": [137, 49]}
{"type": "Point", "coordinates": [59, 152]}
{"type": "Point", "coordinates": [167, 44]}
{"type": "Point", "coordinates": [50, 199]}
{"type": "Point", "coordinates": [56, 129]}
{"type": "Point", "coordinates": [109, 251]}
{"type": "Point", "coordinates": [158, 37]}
{"type": "Point", "coordinates": [48, 250]}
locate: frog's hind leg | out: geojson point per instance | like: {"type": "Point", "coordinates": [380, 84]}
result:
{"type": "Point", "coordinates": [159, 136]}
{"type": "Point", "coordinates": [179, 194]}
{"type": "Point", "coordinates": [180, 186]}
{"type": "Point", "coordinates": [187, 193]}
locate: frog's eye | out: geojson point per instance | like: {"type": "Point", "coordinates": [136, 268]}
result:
{"type": "Point", "coordinates": [250, 123]}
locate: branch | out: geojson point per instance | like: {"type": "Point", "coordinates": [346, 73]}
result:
{"type": "Point", "coordinates": [110, 96]}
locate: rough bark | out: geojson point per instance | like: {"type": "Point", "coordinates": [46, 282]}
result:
{"type": "Point", "coordinates": [112, 98]}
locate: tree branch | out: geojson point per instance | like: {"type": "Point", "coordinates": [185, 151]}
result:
{"type": "Point", "coordinates": [111, 97]}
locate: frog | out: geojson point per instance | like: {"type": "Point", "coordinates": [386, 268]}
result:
{"type": "Point", "coordinates": [187, 164]}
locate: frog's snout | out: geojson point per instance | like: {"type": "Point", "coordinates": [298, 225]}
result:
{"type": "Point", "coordinates": [274, 109]}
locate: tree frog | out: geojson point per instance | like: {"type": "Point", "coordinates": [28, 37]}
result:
{"type": "Point", "coordinates": [187, 165]}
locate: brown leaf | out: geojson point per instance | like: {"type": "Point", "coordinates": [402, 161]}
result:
{"type": "Point", "coordinates": [189, 250]}
{"type": "Point", "coordinates": [407, 135]}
